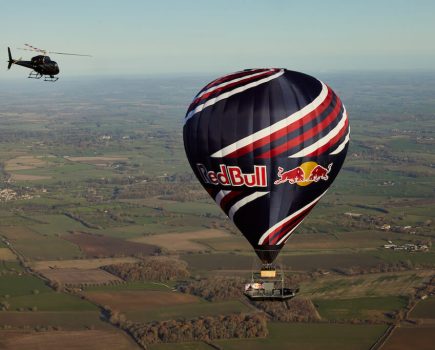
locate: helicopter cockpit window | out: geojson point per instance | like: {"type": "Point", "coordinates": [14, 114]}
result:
{"type": "Point", "coordinates": [46, 59]}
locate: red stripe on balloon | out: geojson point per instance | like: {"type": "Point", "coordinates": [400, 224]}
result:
{"type": "Point", "coordinates": [231, 77]}
{"type": "Point", "coordinates": [280, 231]}
{"type": "Point", "coordinates": [286, 130]}
{"type": "Point", "coordinates": [229, 87]}
{"type": "Point", "coordinates": [331, 142]}
{"type": "Point", "coordinates": [305, 136]}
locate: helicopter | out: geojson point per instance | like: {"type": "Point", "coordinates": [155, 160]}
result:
{"type": "Point", "coordinates": [41, 65]}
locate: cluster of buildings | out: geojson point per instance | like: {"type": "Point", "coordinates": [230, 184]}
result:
{"type": "Point", "coordinates": [408, 247]}
{"type": "Point", "coordinates": [7, 194]}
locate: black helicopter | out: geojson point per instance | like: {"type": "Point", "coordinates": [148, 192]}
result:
{"type": "Point", "coordinates": [41, 65]}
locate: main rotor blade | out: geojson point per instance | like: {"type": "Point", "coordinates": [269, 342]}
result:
{"type": "Point", "coordinates": [66, 53]}
{"type": "Point", "coordinates": [20, 48]}
{"type": "Point", "coordinates": [35, 48]}
{"type": "Point", "coordinates": [45, 52]}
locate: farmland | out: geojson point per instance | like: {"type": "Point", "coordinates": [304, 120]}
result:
{"type": "Point", "coordinates": [96, 175]}
{"type": "Point", "coordinates": [424, 309]}
{"type": "Point", "coordinates": [67, 320]}
{"type": "Point", "coordinates": [79, 276]}
{"type": "Point", "coordinates": [182, 241]}
{"type": "Point", "coordinates": [359, 308]}
{"type": "Point", "coordinates": [300, 336]}
{"type": "Point", "coordinates": [132, 300]}
{"type": "Point", "coordinates": [397, 283]}
{"type": "Point", "coordinates": [68, 340]}
{"type": "Point", "coordinates": [410, 337]}
{"type": "Point", "coordinates": [100, 246]}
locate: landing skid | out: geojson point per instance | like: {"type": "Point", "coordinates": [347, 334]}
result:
{"type": "Point", "coordinates": [50, 78]}
{"type": "Point", "coordinates": [36, 75]}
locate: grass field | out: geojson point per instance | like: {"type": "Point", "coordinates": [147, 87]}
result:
{"type": "Point", "coordinates": [24, 163]}
{"type": "Point", "coordinates": [358, 308]}
{"type": "Point", "coordinates": [284, 336]}
{"type": "Point", "coordinates": [421, 338]}
{"type": "Point", "coordinates": [50, 301]}
{"type": "Point", "coordinates": [7, 255]}
{"type": "Point", "coordinates": [139, 300]}
{"type": "Point", "coordinates": [10, 267]}
{"type": "Point", "coordinates": [15, 285]}
{"type": "Point", "coordinates": [188, 311]}
{"type": "Point", "coordinates": [55, 224]}
{"type": "Point", "coordinates": [181, 346]}
{"type": "Point", "coordinates": [26, 292]}
{"type": "Point", "coordinates": [80, 276]}
{"type": "Point", "coordinates": [139, 285]}
{"type": "Point", "coordinates": [71, 320]}
{"type": "Point", "coordinates": [35, 246]}
{"type": "Point", "coordinates": [424, 309]}
{"type": "Point", "coordinates": [311, 242]}
{"type": "Point", "coordinates": [84, 264]}
{"type": "Point", "coordinates": [306, 262]}
{"type": "Point", "coordinates": [182, 241]}
{"type": "Point", "coordinates": [386, 284]}
{"type": "Point", "coordinates": [426, 259]}
{"type": "Point", "coordinates": [66, 340]}
{"type": "Point", "coordinates": [94, 246]}
{"type": "Point", "coordinates": [218, 261]}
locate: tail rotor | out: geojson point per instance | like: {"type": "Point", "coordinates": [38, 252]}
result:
{"type": "Point", "coordinates": [11, 61]}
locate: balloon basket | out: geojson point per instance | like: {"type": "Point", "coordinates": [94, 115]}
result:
{"type": "Point", "coordinates": [268, 284]}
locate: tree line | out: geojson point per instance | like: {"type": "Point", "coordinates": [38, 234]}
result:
{"type": "Point", "coordinates": [214, 289]}
{"type": "Point", "coordinates": [293, 310]}
{"type": "Point", "coordinates": [157, 268]}
{"type": "Point", "coordinates": [199, 329]}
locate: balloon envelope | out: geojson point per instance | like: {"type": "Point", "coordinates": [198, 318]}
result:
{"type": "Point", "coordinates": [266, 144]}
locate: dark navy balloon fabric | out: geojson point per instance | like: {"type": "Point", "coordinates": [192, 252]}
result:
{"type": "Point", "coordinates": [266, 144]}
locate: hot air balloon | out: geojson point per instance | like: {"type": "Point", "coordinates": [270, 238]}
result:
{"type": "Point", "coordinates": [266, 144]}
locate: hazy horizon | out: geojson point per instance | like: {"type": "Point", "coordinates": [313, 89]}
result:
{"type": "Point", "coordinates": [194, 37]}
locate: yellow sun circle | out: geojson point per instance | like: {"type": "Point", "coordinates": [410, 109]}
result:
{"type": "Point", "coordinates": [307, 167]}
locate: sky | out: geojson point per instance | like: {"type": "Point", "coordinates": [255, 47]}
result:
{"type": "Point", "coordinates": [144, 37]}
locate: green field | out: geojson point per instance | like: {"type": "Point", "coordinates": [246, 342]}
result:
{"type": "Point", "coordinates": [134, 286]}
{"type": "Point", "coordinates": [424, 309]}
{"type": "Point", "coordinates": [284, 336]}
{"type": "Point", "coordinates": [307, 262]}
{"type": "Point", "coordinates": [70, 320]}
{"type": "Point", "coordinates": [26, 292]}
{"type": "Point", "coordinates": [358, 308]}
{"type": "Point", "coordinates": [369, 285]}
{"type": "Point", "coordinates": [15, 285]}
{"type": "Point", "coordinates": [36, 246]}
{"type": "Point", "coordinates": [50, 301]}
{"type": "Point", "coordinates": [425, 259]}
{"type": "Point", "coordinates": [189, 311]}
{"type": "Point", "coordinates": [10, 267]}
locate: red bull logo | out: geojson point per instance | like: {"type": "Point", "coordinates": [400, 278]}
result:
{"type": "Point", "coordinates": [234, 176]}
{"type": "Point", "coordinates": [303, 175]}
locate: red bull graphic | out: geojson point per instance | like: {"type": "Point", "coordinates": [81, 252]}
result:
{"type": "Point", "coordinates": [234, 176]}
{"type": "Point", "coordinates": [292, 176]}
{"type": "Point", "coordinates": [319, 173]}
{"type": "Point", "coordinates": [304, 174]}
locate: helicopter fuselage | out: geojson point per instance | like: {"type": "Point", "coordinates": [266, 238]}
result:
{"type": "Point", "coordinates": [41, 64]}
